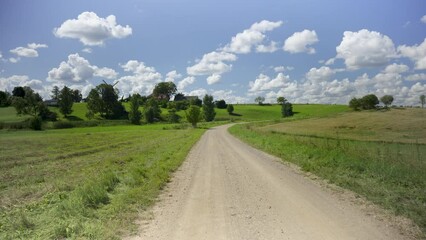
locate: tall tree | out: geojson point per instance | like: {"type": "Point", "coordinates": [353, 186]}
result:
{"type": "Point", "coordinates": [18, 92]}
{"type": "Point", "coordinates": [135, 114]}
{"type": "Point", "coordinates": [65, 101]}
{"type": "Point", "coordinates": [55, 93]}
{"type": "Point", "coordinates": [4, 99]}
{"type": "Point", "coordinates": [286, 108]}
{"type": "Point", "coordinates": [423, 100]}
{"type": "Point", "coordinates": [281, 100]}
{"type": "Point", "coordinates": [152, 110]}
{"type": "Point", "coordinates": [193, 115]}
{"type": "Point", "coordinates": [208, 108]}
{"type": "Point", "coordinates": [77, 96]}
{"type": "Point", "coordinates": [104, 100]}
{"type": "Point", "coordinates": [164, 90]}
{"type": "Point", "coordinates": [259, 100]}
{"type": "Point", "coordinates": [387, 100]}
{"type": "Point", "coordinates": [30, 104]}
{"type": "Point", "coordinates": [369, 101]}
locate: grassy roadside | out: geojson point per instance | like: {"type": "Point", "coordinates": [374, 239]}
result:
{"type": "Point", "coordinates": [84, 182]}
{"type": "Point", "coordinates": [388, 173]}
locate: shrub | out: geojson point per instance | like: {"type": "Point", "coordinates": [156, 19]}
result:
{"type": "Point", "coordinates": [221, 104]}
{"type": "Point", "coordinates": [36, 123]}
{"type": "Point", "coordinates": [193, 115]}
{"type": "Point", "coordinates": [62, 124]}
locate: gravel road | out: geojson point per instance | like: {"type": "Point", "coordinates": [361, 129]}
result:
{"type": "Point", "coordinates": [228, 190]}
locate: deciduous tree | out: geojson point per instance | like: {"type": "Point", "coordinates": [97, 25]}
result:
{"type": "Point", "coordinates": [193, 115]}
{"type": "Point", "coordinates": [387, 100]}
{"type": "Point", "coordinates": [65, 101]}
{"type": "Point", "coordinates": [208, 108]}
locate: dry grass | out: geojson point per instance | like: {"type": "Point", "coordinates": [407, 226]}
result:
{"type": "Point", "coordinates": [396, 125]}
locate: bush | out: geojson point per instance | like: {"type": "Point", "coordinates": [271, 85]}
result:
{"type": "Point", "coordinates": [193, 115]}
{"type": "Point", "coordinates": [36, 123]}
{"type": "Point", "coordinates": [221, 104]}
{"type": "Point", "coordinates": [61, 125]}
{"type": "Point", "coordinates": [173, 117]}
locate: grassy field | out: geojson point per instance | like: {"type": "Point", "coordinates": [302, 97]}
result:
{"type": "Point", "coordinates": [84, 182]}
{"type": "Point", "coordinates": [379, 155]}
{"type": "Point", "coordinates": [8, 114]}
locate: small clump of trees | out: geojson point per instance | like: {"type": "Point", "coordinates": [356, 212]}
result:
{"type": "Point", "coordinates": [260, 100]}
{"type": "Point", "coordinates": [103, 100]}
{"type": "Point", "coordinates": [370, 101]}
{"type": "Point", "coordinates": [286, 107]}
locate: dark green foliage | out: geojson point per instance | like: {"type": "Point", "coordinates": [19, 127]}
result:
{"type": "Point", "coordinates": [30, 104]}
{"type": "Point", "coordinates": [152, 111]}
{"type": "Point", "coordinates": [179, 97]}
{"type": "Point", "coordinates": [104, 100]}
{"type": "Point", "coordinates": [5, 99]}
{"type": "Point", "coordinates": [135, 114]}
{"type": "Point", "coordinates": [230, 109]}
{"type": "Point", "coordinates": [422, 100]}
{"type": "Point", "coordinates": [179, 105]}
{"type": "Point", "coordinates": [355, 104]}
{"type": "Point", "coordinates": [18, 92]}
{"type": "Point", "coordinates": [196, 102]}
{"type": "Point", "coordinates": [77, 97]}
{"type": "Point", "coordinates": [36, 123]}
{"type": "Point", "coordinates": [55, 93]}
{"type": "Point", "coordinates": [387, 100]}
{"type": "Point", "coordinates": [367, 102]}
{"type": "Point", "coordinates": [173, 117]}
{"type": "Point", "coordinates": [65, 101]}
{"type": "Point", "coordinates": [208, 108]}
{"type": "Point", "coordinates": [193, 115]}
{"type": "Point", "coordinates": [281, 100]}
{"type": "Point", "coordinates": [221, 104]}
{"type": "Point", "coordinates": [47, 115]}
{"type": "Point", "coordinates": [286, 108]}
{"type": "Point", "coordinates": [164, 90]}
{"type": "Point", "coordinates": [259, 100]}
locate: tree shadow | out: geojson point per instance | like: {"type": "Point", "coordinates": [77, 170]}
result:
{"type": "Point", "coordinates": [73, 118]}
{"type": "Point", "coordinates": [236, 114]}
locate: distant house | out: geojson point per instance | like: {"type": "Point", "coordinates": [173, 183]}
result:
{"type": "Point", "coordinates": [51, 103]}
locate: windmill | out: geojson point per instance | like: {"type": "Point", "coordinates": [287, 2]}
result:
{"type": "Point", "coordinates": [112, 85]}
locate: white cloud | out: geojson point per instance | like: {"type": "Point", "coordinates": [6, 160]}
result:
{"type": "Point", "coordinates": [244, 41]}
{"type": "Point", "coordinates": [283, 68]}
{"type": "Point", "coordinates": [172, 75]}
{"type": "Point", "coordinates": [87, 50]}
{"type": "Point", "coordinates": [320, 74]}
{"type": "Point", "coordinates": [423, 19]}
{"type": "Point", "coordinates": [212, 63]}
{"type": "Point", "coordinates": [299, 41]}
{"type": "Point", "coordinates": [416, 77]}
{"type": "Point", "coordinates": [9, 83]}
{"type": "Point", "coordinates": [272, 47]}
{"type": "Point", "coordinates": [92, 30]}
{"type": "Point", "coordinates": [200, 93]}
{"type": "Point", "coordinates": [142, 78]}
{"type": "Point", "coordinates": [214, 78]}
{"type": "Point", "coordinates": [265, 83]}
{"type": "Point", "coordinates": [416, 53]}
{"type": "Point", "coordinates": [78, 69]}
{"type": "Point", "coordinates": [330, 61]}
{"type": "Point", "coordinates": [365, 49]}
{"type": "Point", "coordinates": [229, 96]}
{"type": "Point", "coordinates": [29, 51]}
{"type": "Point", "coordinates": [396, 68]}
{"type": "Point", "coordinates": [185, 82]}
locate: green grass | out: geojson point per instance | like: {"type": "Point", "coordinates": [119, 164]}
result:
{"type": "Point", "coordinates": [389, 171]}
{"type": "Point", "coordinates": [8, 114]}
{"type": "Point", "coordinates": [85, 182]}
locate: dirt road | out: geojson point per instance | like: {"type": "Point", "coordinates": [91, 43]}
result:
{"type": "Point", "coordinates": [228, 190]}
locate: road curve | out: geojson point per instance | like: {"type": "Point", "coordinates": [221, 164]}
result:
{"type": "Point", "coordinates": [228, 190]}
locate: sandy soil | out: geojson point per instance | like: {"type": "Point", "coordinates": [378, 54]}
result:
{"type": "Point", "coordinates": [228, 190]}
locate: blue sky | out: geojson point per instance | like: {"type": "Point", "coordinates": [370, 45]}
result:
{"type": "Point", "coordinates": [307, 51]}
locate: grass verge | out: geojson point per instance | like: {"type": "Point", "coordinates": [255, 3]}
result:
{"type": "Point", "coordinates": [84, 182]}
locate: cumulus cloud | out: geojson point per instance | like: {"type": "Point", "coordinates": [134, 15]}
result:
{"type": "Point", "coordinates": [265, 83]}
{"type": "Point", "coordinates": [172, 75]}
{"type": "Point", "coordinates": [229, 96]}
{"type": "Point", "coordinates": [299, 42]}
{"type": "Point", "coordinates": [416, 53]}
{"type": "Point", "coordinates": [87, 50]}
{"type": "Point", "coordinates": [78, 69]}
{"type": "Point", "coordinates": [141, 79]}
{"type": "Point", "coordinates": [416, 77]}
{"type": "Point", "coordinates": [185, 82]}
{"type": "Point", "coordinates": [272, 47]}
{"type": "Point", "coordinates": [212, 63]}
{"type": "Point", "coordinates": [423, 19]}
{"type": "Point", "coordinates": [200, 92]}
{"type": "Point", "coordinates": [365, 49]}
{"type": "Point", "coordinates": [92, 30]}
{"type": "Point", "coordinates": [243, 42]}
{"type": "Point", "coordinates": [283, 68]}
{"type": "Point", "coordinates": [29, 51]}
{"type": "Point", "coordinates": [396, 68]}
{"type": "Point", "coordinates": [320, 74]}
{"type": "Point", "coordinates": [212, 79]}
{"type": "Point", "coordinates": [9, 83]}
